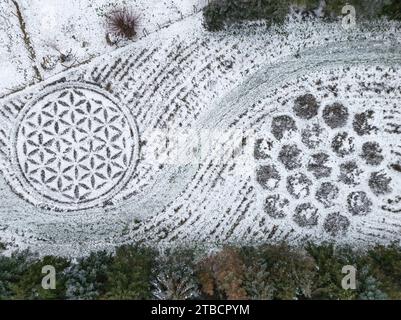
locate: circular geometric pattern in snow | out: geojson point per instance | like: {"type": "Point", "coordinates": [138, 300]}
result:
{"type": "Point", "coordinates": [331, 159]}
{"type": "Point", "coordinates": [74, 147]}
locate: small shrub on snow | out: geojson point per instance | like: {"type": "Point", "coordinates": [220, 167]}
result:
{"type": "Point", "coordinates": [122, 22]}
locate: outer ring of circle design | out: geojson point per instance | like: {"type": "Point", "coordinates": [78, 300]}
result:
{"type": "Point", "coordinates": [43, 201]}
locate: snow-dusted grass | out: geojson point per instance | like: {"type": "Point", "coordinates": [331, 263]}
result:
{"type": "Point", "coordinates": [76, 29]}
{"type": "Point", "coordinates": [185, 78]}
{"type": "Point", "coordinates": [15, 65]}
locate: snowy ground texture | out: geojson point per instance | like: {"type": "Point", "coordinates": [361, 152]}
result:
{"type": "Point", "coordinates": [75, 29]}
{"type": "Point", "coordinates": [312, 112]}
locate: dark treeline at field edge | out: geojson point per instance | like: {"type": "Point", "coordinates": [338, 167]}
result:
{"type": "Point", "coordinates": [219, 13]}
{"type": "Point", "coordinates": [257, 272]}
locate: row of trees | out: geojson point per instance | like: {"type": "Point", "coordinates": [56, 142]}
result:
{"type": "Point", "coordinates": [257, 272]}
{"type": "Point", "coordinates": [222, 12]}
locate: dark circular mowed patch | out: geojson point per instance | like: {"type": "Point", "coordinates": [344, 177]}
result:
{"type": "Point", "coordinates": [319, 165]}
{"type": "Point", "coordinates": [306, 215]}
{"type": "Point", "coordinates": [282, 125]}
{"type": "Point", "coordinates": [312, 136]}
{"type": "Point", "coordinates": [275, 206]}
{"type": "Point", "coordinates": [262, 149]}
{"type": "Point", "coordinates": [359, 203]}
{"type": "Point", "coordinates": [349, 173]}
{"type": "Point", "coordinates": [335, 115]}
{"type": "Point", "coordinates": [336, 224]}
{"type": "Point", "coordinates": [372, 153]}
{"type": "Point", "coordinates": [298, 185]}
{"type": "Point", "coordinates": [379, 183]}
{"type": "Point", "coordinates": [361, 123]}
{"type": "Point", "coordinates": [342, 144]}
{"type": "Point", "coordinates": [268, 177]}
{"type": "Point", "coordinates": [306, 107]}
{"type": "Point", "coordinates": [290, 156]}
{"type": "Point", "coordinates": [327, 193]}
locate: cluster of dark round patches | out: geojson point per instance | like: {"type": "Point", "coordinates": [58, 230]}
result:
{"type": "Point", "coordinates": [372, 153]}
{"type": "Point", "coordinates": [327, 194]}
{"type": "Point", "coordinates": [306, 215]}
{"type": "Point", "coordinates": [379, 183]}
{"type": "Point", "coordinates": [359, 203]}
{"type": "Point", "coordinates": [350, 173]}
{"type": "Point", "coordinates": [276, 206]}
{"type": "Point", "coordinates": [335, 115]}
{"type": "Point", "coordinates": [336, 224]}
{"type": "Point", "coordinates": [298, 185]}
{"type": "Point", "coordinates": [268, 177]}
{"type": "Point", "coordinates": [290, 157]}
{"type": "Point", "coordinates": [282, 125]}
{"type": "Point", "coordinates": [342, 144]}
{"type": "Point", "coordinates": [361, 123]}
{"type": "Point", "coordinates": [319, 165]}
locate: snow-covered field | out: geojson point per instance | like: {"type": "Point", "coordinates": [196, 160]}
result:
{"type": "Point", "coordinates": [15, 64]}
{"type": "Point", "coordinates": [250, 135]}
{"type": "Point", "coordinates": [75, 29]}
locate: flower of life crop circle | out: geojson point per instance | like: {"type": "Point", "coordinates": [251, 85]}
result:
{"type": "Point", "coordinates": [74, 147]}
